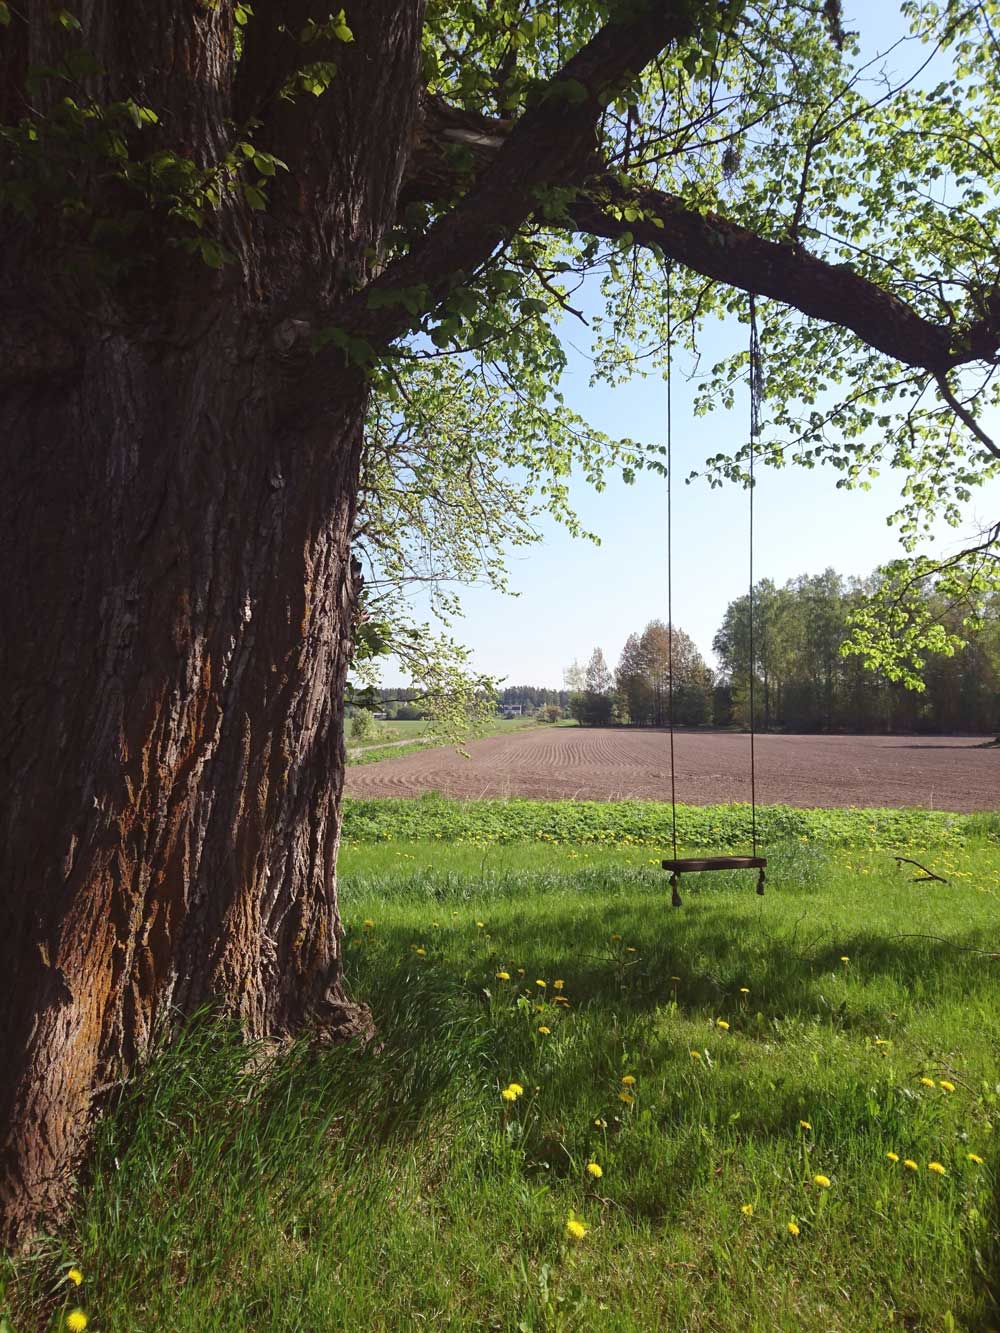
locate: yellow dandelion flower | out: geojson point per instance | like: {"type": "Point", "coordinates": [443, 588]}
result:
{"type": "Point", "coordinates": [545, 1031]}
{"type": "Point", "coordinates": [436, 925]}
{"type": "Point", "coordinates": [927, 1082]}
{"type": "Point", "coordinates": [601, 1124]}
{"type": "Point", "coordinates": [575, 1230]}
{"type": "Point", "coordinates": [937, 1168]}
{"type": "Point", "coordinates": [845, 958]}
{"type": "Point", "coordinates": [910, 1164]}
{"type": "Point", "coordinates": [744, 990]}
{"type": "Point", "coordinates": [628, 1081]}
{"type": "Point", "coordinates": [517, 1089]}
{"type": "Point", "coordinates": [481, 925]}
{"type": "Point", "coordinates": [520, 971]}
{"type": "Point", "coordinates": [503, 976]}
{"type": "Point", "coordinates": [805, 1124]}
{"type": "Point", "coordinates": [75, 1276]}
{"type": "Point", "coordinates": [421, 953]}
{"type": "Point", "coordinates": [541, 983]}
{"type": "Point", "coordinates": [76, 1321]}
{"type": "Point", "coordinates": [594, 1170]}
{"type": "Point", "coordinates": [747, 1210]}
{"type": "Point", "coordinates": [626, 1097]}
{"type": "Point", "coordinates": [558, 985]}
{"type": "Point", "coordinates": [509, 1095]}
{"type": "Point", "coordinates": [616, 937]}
{"type": "Point", "coordinates": [793, 1228]}
{"type": "Point", "coordinates": [893, 1156]}
{"type": "Point", "coordinates": [822, 1181]}
{"type": "Point", "coordinates": [974, 1157]}
{"type": "Point", "coordinates": [944, 1083]}
{"type": "Point", "coordinates": [721, 1023]}
{"type": "Point", "coordinates": [369, 923]}
{"type": "Point", "coordinates": [696, 1055]}
{"type": "Point", "coordinates": [631, 949]}
{"type": "Point", "coordinates": [677, 979]}
{"type": "Point", "coordinates": [881, 1041]}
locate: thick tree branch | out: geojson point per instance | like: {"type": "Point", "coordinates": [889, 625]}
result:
{"type": "Point", "coordinates": [548, 146]}
{"type": "Point", "coordinates": [719, 249]}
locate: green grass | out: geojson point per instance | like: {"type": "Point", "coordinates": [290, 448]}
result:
{"type": "Point", "coordinates": [648, 824]}
{"type": "Point", "coordinates": [390, 1187]}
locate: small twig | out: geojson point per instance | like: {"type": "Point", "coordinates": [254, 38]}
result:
{"type": "Point", "coordinates": [964, 948]}
{"type": "Point", "coordinates": [965, 415]}
{"type": "Point", "coordinates": [920, 879]}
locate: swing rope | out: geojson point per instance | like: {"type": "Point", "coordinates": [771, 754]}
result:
{"type": "Point", "coordinates": [676, 865]}
{"type": "Point", "coordinates": [670, 568]}
{"type": "Point", "coordinates": [756, 395]}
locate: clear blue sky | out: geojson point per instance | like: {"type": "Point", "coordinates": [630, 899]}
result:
{"type": "Point", "coordinates": [575, 596]}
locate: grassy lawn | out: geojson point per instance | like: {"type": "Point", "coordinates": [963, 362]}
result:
{"type": "Point", "coordinates": [744, 1072]}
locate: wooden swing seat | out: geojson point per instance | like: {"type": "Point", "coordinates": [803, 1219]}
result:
{"type": "Point", "coordinates": [685, 864]}
{"type": "Point", "coordinates": [682, 865]}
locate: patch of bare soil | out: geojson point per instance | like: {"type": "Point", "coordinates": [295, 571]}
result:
{"type": "Point", "coordinates": [590, 763]}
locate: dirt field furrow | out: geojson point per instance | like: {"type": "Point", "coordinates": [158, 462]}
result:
{"type": "Point", "coordinates": [960, 773]}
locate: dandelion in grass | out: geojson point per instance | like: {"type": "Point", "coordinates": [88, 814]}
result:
{"type": "Point", "coordinates": [910, 1164]}
{"type": "Point", "coordinates": [793, 1228]}
{"type": "Point", "coordinates": [546, 1032]}
{"type": "Point", "coordinates": [845, 958]}
{"type": "Point", "coordinates": [946, 1085]}
{"type": "Point", "coordinates": [558, 984]}
{"type": "Point", "coordinates": [75, 1276]}
{"type": "Point", "coordinates": [881, 1041]}
{"type": "Point", "coordinates": [927, 1082]}
{"type": "Point", "coordinates": [626, 1097]}
{"type": "Point", "coordinates": [615, 938]}
{"type": "Point", "coordinates": [937, 1168]}
{"type": "Point", "coordinates": [503, 976]}
{"type": "Point", "coordinates": [575, 1230]}
{"type": "Point", "coordinates": [628, 1081]}
{"type": "Point", "coordinates": [481, 925]}
{"type": "Point", "coordinates": [520, 971]}
{"type": "Point", "coordinates": [696, 1055]}
{"type": "Point", "coordinates": [804, 1124]}
{"type": "Point", "coordinates": [600, 1123]}
{"type": "Point", "coordinates": [721, 1023]}
{"type": "Point", "coordinates": [369, 923]}
{"type": "Point", "coordinates": [594, 1169]}
{"type": "Point", "coordinates": [747, 1210]}
{"type": "Point", "coordinates": [76, 1321]}
{"type": "Point", "coordinates": [744, 990]}
{"type": "Point", "coordinates": [822, 1181]}
{"type": "Point", "coordinates": [975, 1158]}
{"type": "Point", "coordinates": [540, 982]}
{"type": "Point", "coordinates": [631, 949]}
{"type": "Point", "coordinates": [893, 1156]}
{"type": "Point", "coordinates": [421, 953]}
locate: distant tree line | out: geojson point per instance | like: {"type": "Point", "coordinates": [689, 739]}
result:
{"type": "Point", "coordinates": [801, 680]}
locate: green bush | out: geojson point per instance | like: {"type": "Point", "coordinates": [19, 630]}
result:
{"type": "Point", "coordinates": [362, 724]}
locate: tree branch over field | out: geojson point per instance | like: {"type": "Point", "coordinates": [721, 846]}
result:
{"type": "Point", "coordinates": [719, 249]}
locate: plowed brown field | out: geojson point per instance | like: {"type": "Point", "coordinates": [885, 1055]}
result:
{"type": "Point", "coordinates": [583, 763]}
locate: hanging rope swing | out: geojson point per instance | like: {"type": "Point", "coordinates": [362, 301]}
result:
{"type": "Point", "coordinates": [679, 865]}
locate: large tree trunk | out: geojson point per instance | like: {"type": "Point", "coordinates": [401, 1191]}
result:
{"type": "Point", "coordinates": [176, 615]}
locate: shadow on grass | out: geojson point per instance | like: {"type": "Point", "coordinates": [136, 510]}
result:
{"type": "Point", "coordinates": [716, 944]}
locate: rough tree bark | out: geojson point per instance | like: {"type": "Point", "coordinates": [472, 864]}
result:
{"type": "Point", "coordinates": [177, 602]}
